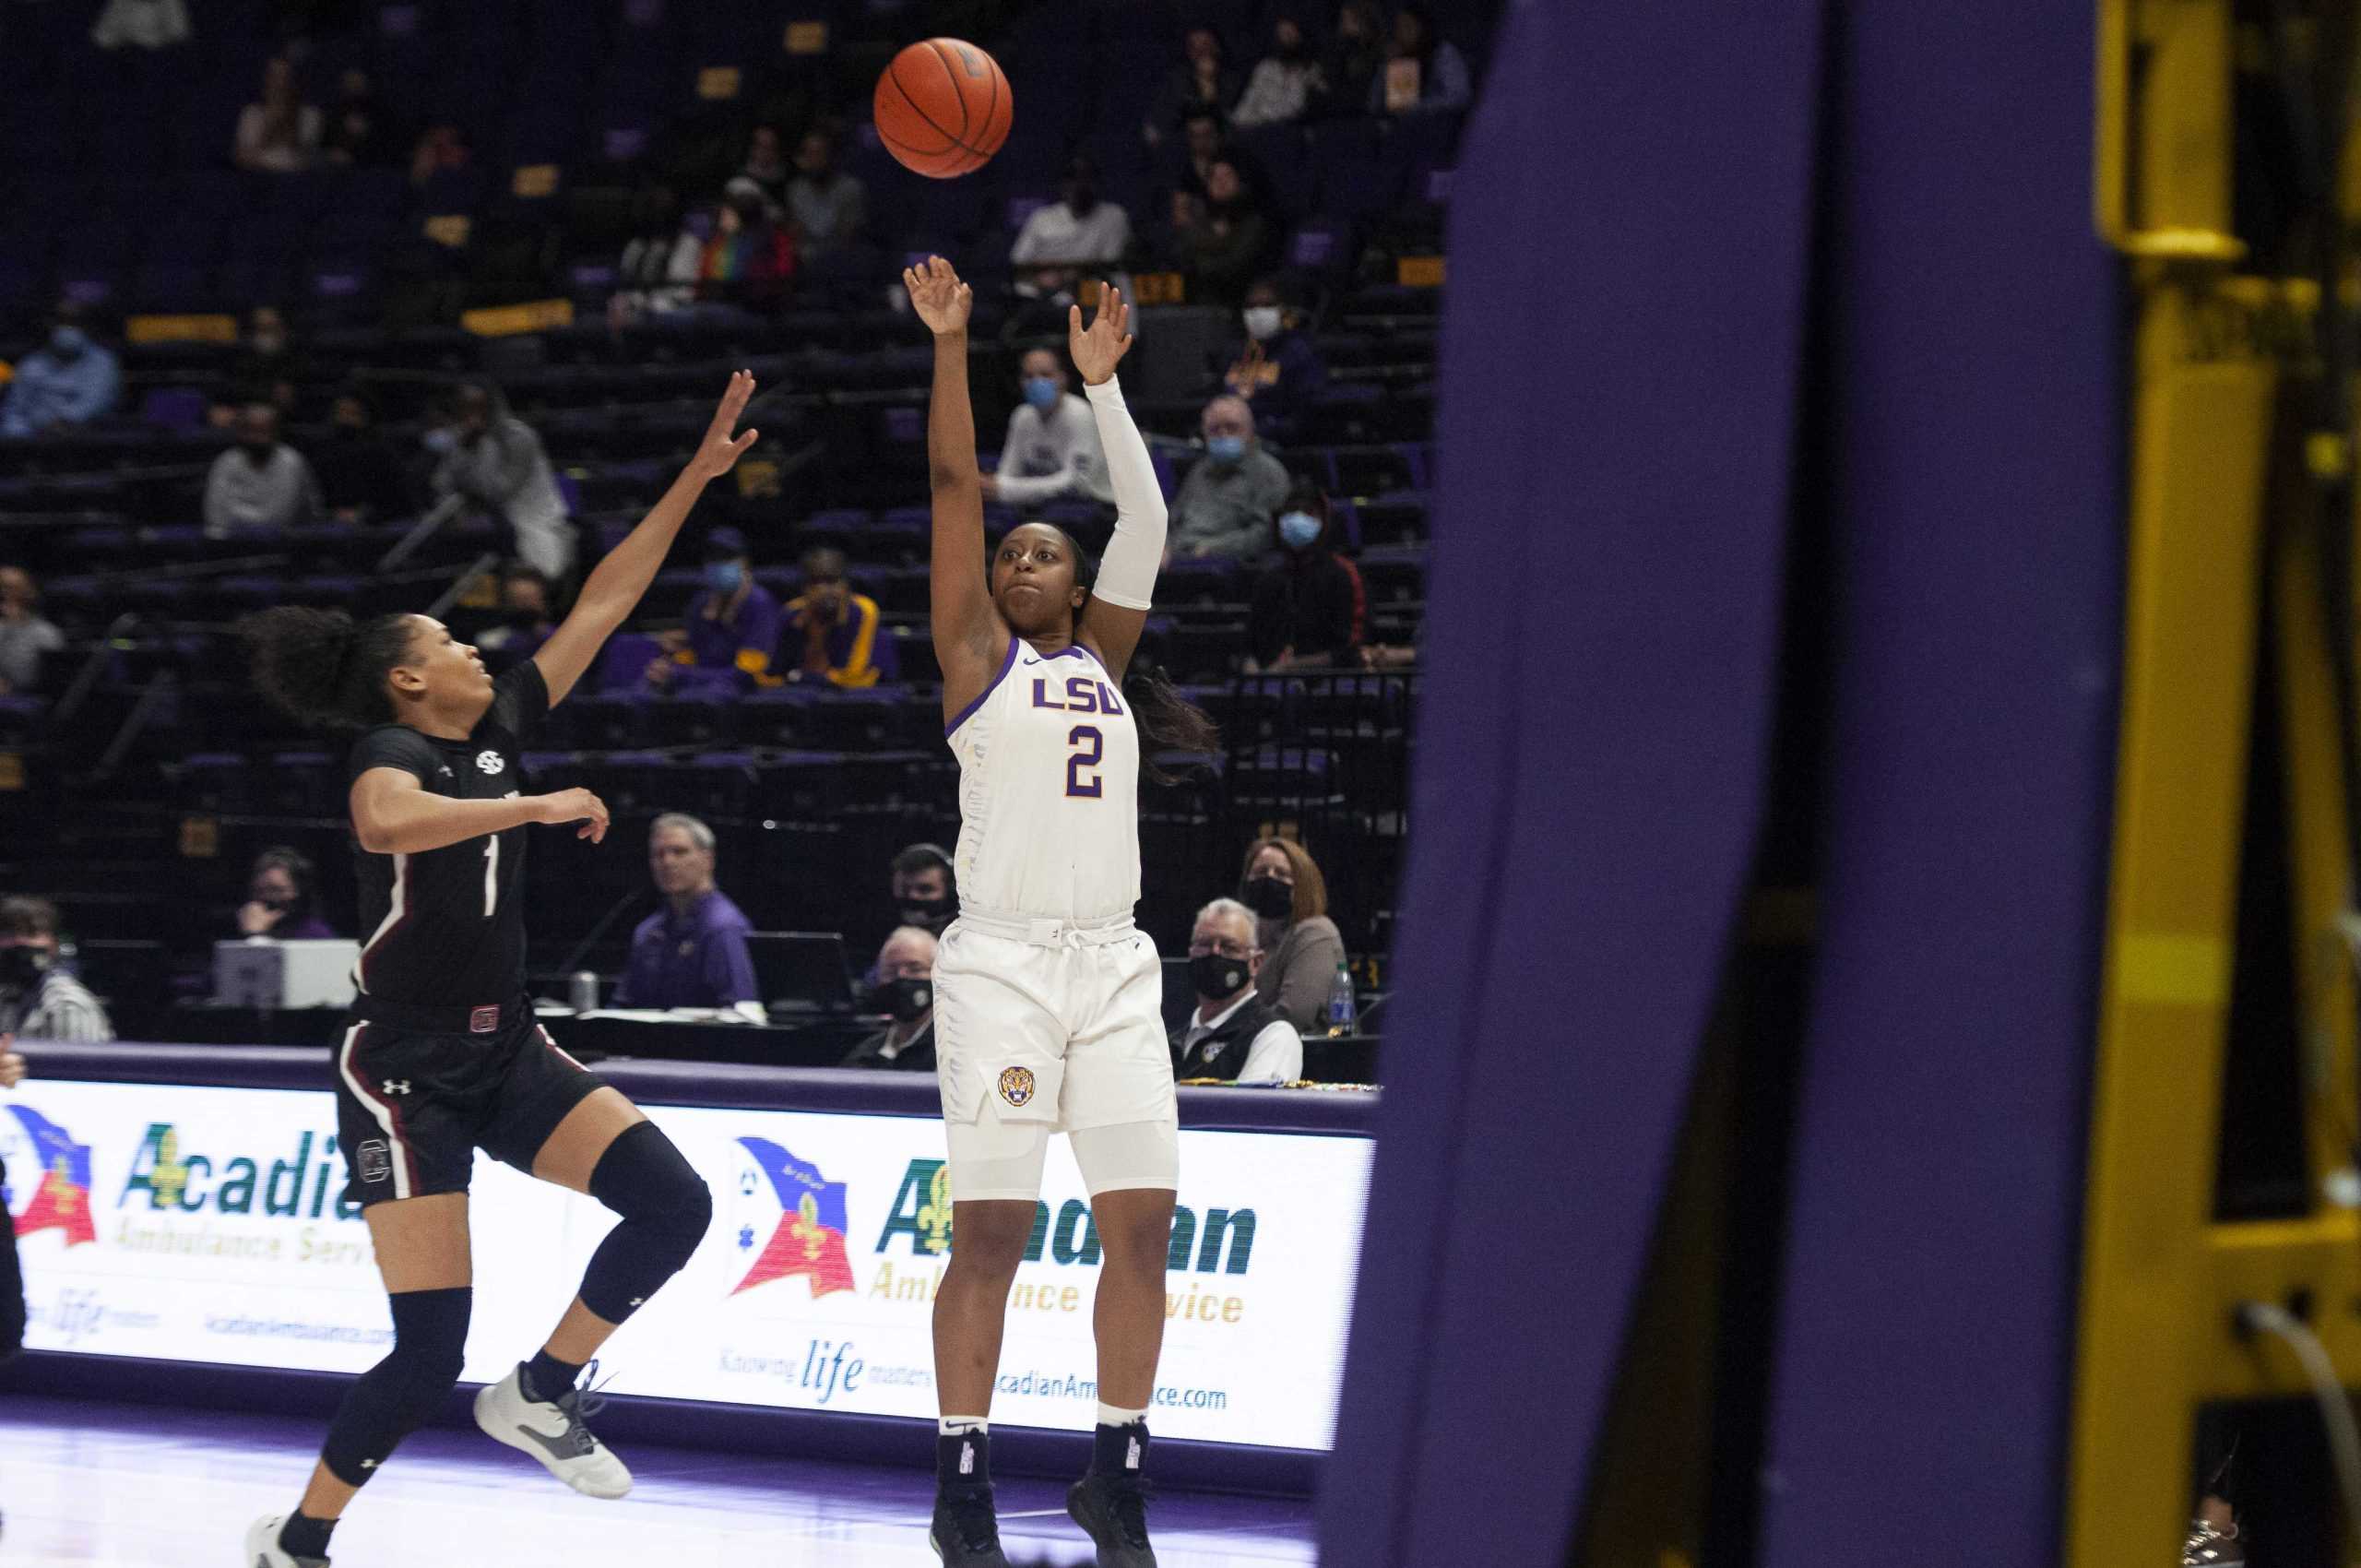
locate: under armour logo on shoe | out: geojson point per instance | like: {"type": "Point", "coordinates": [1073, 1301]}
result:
{"type": "Point", "coordinates": [396, 1086]}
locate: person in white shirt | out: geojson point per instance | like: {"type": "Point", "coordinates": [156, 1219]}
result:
{"type": "Point", "coordinates": [1076, 231]}
{"type": "Point", "coordinates": [260, 485]}
{"type": "Point", "coordinates": [1232, 1033]}
{"type": "Point", "coordinates": [1282, 85]}
{"type": "Point", "coordinates": [495, 460]}
{"type": "Point", "coordinates": [1052, 449]}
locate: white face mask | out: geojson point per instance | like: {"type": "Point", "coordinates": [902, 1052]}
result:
{"type": "Point", "coordinates": [1261, 322]}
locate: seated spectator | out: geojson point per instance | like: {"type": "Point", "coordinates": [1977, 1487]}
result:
{"type": "Point", "coordinates": [1355, 55]}
{"type": "Point", "coordinates": [282, 903]}
{"type": "Point", "coordinates": [26, 638]}
{"type": "Point", "coordinates": [1051, 450]}
{"type": "Point", "coordinates": [1076, 231]}
{"type": "Point", "coordinates": [360, 134]}
{"type": "Point", "coordinates": [1202, 78]}
{"type": "Point", "coordinates": [833, 634]}
{"type": "Point", "coordinates": [40, 999]}
{"type": "Point", "coordinates": [267, 370]}
{"type": "Point", "coordinates": [1284, 80]}
{"type": "Point", "coordinates": [70, 380]}
{"type": "Point", "coordinates": [440, 150]}
{"type": "Point", "coordinates": [751, 258]}
{"type": "Point", "coordinates": [261, 484]}
{"type": "Point", "coordinates": [828, 208]}
{"type": "Point", "coordinates": [1279, 371]}
{"type": "Point", "coordinates": [492, 458]}
{"type": "Point", "coordinates": [526, 619]}
{"type": "Point", "coordinates": [925, 887]}
{"type": "Point", "coordinates": [1226, 502]}
{"type": "Point", "coordinates": [360, 476]}
{"type": "Point", "coordinates": [692, 953]}
{"type": "Point", "coordinates": [1205, 142]}
{"type": "Point", "coordinates": [1223, 254]}
{"type": "Point", "coordinates": [1304, 948]}
{"type": "Point", "coordinates": [1170, 245]}
{"type": "Point", "coordinates": [279, 134]}
{"type": "Point", "coordinates": [765, 167]}
{"type": "Point", "coordinates": [1422, 72]}
{"type": "Point", "coordinates": [733, 623]}
{"type": "Point", "coordinates": [657, 272]}
{"type": "Point", "coordinates": [1234, 1033]}
{"type": "Point", "coordinates": [905, 990]}
{"type": "Point", "coordinates": [1310, 609]}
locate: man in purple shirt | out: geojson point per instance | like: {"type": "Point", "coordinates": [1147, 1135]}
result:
{"type": "Point", "coordinates": [733, 623]}
{"type": "Point", "coordinates": [692, 953]}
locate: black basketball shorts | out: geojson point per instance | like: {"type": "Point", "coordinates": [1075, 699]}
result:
{"type": "Point", "coordinates": [412, 1108]}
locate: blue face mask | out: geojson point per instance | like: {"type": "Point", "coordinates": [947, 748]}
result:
{"type": "Point", "coordinates": [1225, 448]}
{"type": "Point", "coordinates": [723, 577]}
{"type": "Point", "coordinates": [68, 341]}
{"type": "Point", "coordinates": [1301, 529]}
{"type": "Point", "coordinates": [440, 441]}
{"type": "Point", "coordinates": [1041, 391]}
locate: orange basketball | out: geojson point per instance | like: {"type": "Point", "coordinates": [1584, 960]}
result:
{"type": "Point", "coordinates": [942, 108]}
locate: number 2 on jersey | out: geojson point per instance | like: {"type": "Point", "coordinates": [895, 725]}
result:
{"type": "Point", "coordinates": [1077, 784]}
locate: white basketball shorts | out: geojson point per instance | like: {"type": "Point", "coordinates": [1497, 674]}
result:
{"type": "Point", "coordinates": [1039, 1028]}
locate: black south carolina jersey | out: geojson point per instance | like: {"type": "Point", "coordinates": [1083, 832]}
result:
{"type": "Point", "coordinates": [447, 926]}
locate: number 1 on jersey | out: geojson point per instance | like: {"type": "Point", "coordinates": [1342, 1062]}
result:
{"type": "Point", "coordinates": [1087, 788]}
{"type": "Point", "coordinates": [490, 873]}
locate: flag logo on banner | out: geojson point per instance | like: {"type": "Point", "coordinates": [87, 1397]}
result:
{"type": "Point", "coordinates": [62, 1198]}
{"type": "Point", "coordinates": [810, 1240]}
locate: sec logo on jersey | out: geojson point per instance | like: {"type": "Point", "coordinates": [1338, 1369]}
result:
{"type": "Point", "coordinates": [1017, 1084]}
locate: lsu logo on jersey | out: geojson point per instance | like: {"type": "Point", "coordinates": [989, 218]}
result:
{"type": "Point", "coordinates": [1017, 1084]}
{"type": "Point", "coordinates": [1083, 695]}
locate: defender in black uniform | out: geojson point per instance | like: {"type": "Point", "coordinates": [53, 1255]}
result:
{"type": "Point", "coordinates": [441, 1055]}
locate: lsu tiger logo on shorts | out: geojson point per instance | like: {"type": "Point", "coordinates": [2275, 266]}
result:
{"type": "Point", "coordinates": [1017, 1084]}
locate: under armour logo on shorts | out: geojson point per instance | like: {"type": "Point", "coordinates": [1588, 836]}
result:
{"type": "Point", "coordinates": [1017, 1084]}
{"type": "Point", "coordinates": [491, 762]}
{"type": "Point", "coordinates": [396, 1086]}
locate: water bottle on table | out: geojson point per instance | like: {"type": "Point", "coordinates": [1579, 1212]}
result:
{"type": "Point", "coordinates": [1341, 1012]}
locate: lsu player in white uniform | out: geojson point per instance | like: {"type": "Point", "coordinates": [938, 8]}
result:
{"type": "Point", "coordinates": [1048, 999]}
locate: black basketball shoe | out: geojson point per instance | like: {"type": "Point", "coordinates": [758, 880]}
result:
{"type": "Point", "coordinates": [1113, 1510]}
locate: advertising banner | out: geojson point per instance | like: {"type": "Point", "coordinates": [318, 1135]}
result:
{"type": "Point", "coordinates": [205, 1224]}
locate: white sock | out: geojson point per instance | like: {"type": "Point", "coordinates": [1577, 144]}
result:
{"type": "Point", "coordinates": [1111, 1416]}
{"type": "Point", "coordinates": [951, 1426]}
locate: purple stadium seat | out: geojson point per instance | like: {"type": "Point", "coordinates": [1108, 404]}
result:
{"type": "Point", "coordinates": [178, 408]}
{"type": "Point", "coordinates": [624, 666]}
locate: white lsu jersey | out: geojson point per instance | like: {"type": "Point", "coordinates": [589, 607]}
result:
{"type": "Point", "coordinates": [1048, 790]}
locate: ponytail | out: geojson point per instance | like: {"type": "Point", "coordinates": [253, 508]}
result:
{"type": "Point", "coordinates": [322, 668]}
{"type": "Point", "coordinates": [1167, 720]}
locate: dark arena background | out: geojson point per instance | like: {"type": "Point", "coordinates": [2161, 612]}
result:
{"type": "Point", "coordinates": [1777, 585]}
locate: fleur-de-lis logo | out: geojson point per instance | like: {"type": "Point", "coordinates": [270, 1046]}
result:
{"type": "Point", "coordinates": [934, 1215]}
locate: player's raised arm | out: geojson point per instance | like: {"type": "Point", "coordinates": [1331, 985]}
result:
{"type": "Point", "coordinates": [1111, 622]}
{"type": "Point", "coordinates": [617, 583]}
{"type": "Point", "coordinates": [969, 638]}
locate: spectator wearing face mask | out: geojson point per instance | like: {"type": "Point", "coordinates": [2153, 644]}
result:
{"type": "Point", "coordinates": [491, 458]}
{"type": "Point", "coordinates": [828, 206]}
{"type": "Point", "coordinates": [1235, 1033]}
{"type": "Point", "coordinates": [527, 619]}
{"type": "Point", "coordinates": [70, 380]}
{"type": "Point", "coordinates": [1422, 72]}
{"type": "Point", "coordinates": [1284, 80]}
{"type": "Point", "coordinates": [260, 485]}
{"type": "Point", "coordinates": [1076, 231]}
{"type": "Point", "coordinates": [27, 639]}
{"type": "Point", "coordinates": [925, 887]}
{"type": "Point", "coordinates": [905, 990]}
{"type": "Point", "coordinates": [692, 953]}
{"type": "Point", "coordinates": [39, 1000]}
{"type": "Point", "coordinates": [1302, 946]}
{"type": "Point", "coordinates": [1226, 502]}
{"type": "Point", "coordinates": [833, 634]}
{"type": "Point", "coordinates": [1310, 610]}
{"type": "Point", "coordinates": [1051, 449]}
{"type": "Point", "coordinates": [360, 475]}
{"type": "Point", "coordinates": [267, 370]}
{"type": "Point", "coordinates": [1278, 371]}
{"type": "Point", "coordinates": [1355, 54]}
{"type": "Point", "coordinates": [1223, 250]}
{"type": "Point", "coordinates": [1204, 77]}
{"type": "Point", "coordinates": [766, 167]}
{"type": "Point", "coordinates": [280, 904]}
{"type": "Point", "coordinates": [733, 623]}
{"type": "Point", "coordinates": [751, 259]}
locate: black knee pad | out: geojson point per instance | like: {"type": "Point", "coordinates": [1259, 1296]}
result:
{"type": "Point", "coordinates": [389, 1400]}
{"type": "Point", "coordinates": [666, 1211]}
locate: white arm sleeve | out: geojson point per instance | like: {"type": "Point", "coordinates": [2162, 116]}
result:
{"type": "Point", "coordinates": [1127, 572]}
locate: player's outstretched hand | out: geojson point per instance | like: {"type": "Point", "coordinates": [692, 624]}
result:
{"type": "Point", "coordinates": [1108, 337]}
{"type": "Point", "coordinates": [577, 805]}
{"type": "Point", "coordinates": [942, 301]}
{"type": "Point", "coordinates": [719, 452]}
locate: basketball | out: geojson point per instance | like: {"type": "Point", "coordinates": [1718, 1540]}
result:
{"type": "Point", "coordinates": [942, 108]}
